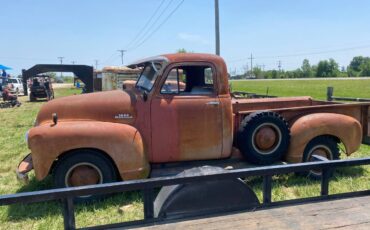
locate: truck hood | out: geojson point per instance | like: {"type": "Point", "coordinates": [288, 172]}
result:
{"type": "Point", "coordinates": [111, 106]}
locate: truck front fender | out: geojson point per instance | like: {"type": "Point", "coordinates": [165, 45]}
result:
{"type": "Point", "coordinates": [122, 143]}
{"type": "Point", "coordinates": [347, 129]}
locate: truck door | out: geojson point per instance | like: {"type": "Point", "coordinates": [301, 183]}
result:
{"type": "Point", "coordinates": [186, 115]}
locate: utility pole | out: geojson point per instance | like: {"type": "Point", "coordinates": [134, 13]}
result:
{"type": "Point", "coordinates": [251, 58]}
{"type": "Point", "coordinates": [74, 77]}
{"type": "Point", "coordinates": [263, 67]}
{"type": "Point", "coordinates": [279, 65]}
{"type": "Point", "coordinates": [122, 52]}
{"type": "Point", "coordinates": [217, 28]}
{"type": "Point", "coordinates": [96, 64]}
{"type": "Point", "coordinates": [61, 62]}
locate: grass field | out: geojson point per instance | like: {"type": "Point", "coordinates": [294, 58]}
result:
{"type": "Point", "coordinates": [14, 122]}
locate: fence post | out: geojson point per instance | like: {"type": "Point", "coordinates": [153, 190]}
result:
{"type": "Point", "coordinates": [148, 203]}
{"type": "Point", "coordinates": [325, 181]}
{"type": "Point", "coordinates": [329, 93]}
{"type": "Point", "coordinates": [69, 214]}
{"type": "Point", "coordinates": [267, 181]}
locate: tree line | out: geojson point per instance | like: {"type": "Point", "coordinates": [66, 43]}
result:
{"type": "Point", "coordinates": [358, 67]}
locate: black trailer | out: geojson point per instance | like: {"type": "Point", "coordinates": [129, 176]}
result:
{"type": "Point", "coordinates": [82, 72]}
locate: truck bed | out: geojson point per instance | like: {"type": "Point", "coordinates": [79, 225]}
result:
{"type": "Point", "coordinates": [292, 108]}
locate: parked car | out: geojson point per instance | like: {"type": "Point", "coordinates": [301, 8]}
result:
{"type": "Point", "coordinates": [117, 135]}
{"type": "Point", "coordinates": [15, 85]}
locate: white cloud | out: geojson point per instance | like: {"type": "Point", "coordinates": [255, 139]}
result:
{"type": "Point", "coordinates": [194, 38]}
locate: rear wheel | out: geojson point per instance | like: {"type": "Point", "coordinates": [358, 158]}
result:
{"type": "Point", "coordinates": [32, 97]}
{"type": "Point", "coordinates": [324, 146]}
{"type": "Point", "coordinates": [263, 137]}
{"type": "Point", "coordinates": [81, 168]}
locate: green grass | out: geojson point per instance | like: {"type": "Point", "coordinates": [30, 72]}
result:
{"type": "Point", "coordinates": [313, 88]}
{"type": "Point", "coordinates": [14, 122]}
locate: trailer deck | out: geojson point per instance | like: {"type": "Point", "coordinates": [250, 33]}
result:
{"type": "Point", "coordinates": [350, 213]}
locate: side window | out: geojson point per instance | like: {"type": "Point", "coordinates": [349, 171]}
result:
{"type": "Point", "coordinates": [185, 80]}
{"type": "Point", "coordinates": [175, 82]}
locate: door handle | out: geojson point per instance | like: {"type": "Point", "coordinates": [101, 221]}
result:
{"type": "Point", "coordinates": [213, 103]}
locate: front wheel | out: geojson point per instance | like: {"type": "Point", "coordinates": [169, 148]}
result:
{"type": "Point", "coordinates": [81, 168]}
{"type": "Point", "coordinates": [323, 146]}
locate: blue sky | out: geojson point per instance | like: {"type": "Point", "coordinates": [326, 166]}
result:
{"type": "Point", "coordinates": [39, 31]}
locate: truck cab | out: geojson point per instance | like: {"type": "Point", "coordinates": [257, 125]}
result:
{"type": "Point", "coordinates": [190, 107]}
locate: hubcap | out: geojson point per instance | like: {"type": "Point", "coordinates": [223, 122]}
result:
{"type": "Point", "coordinates": [83, 174]}
{"type": "Point", "coordinates": [266, 138]}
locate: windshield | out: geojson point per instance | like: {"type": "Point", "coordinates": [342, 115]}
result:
{"type": "Point", "coordinates": [149, 75]}
{"type": "Point", "coordinates": [12, 81]}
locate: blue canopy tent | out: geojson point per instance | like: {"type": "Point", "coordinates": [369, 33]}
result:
{"type": "Point", "coordinates": [3, 67]}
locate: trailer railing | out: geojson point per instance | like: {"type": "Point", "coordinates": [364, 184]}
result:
{"type": "Point", "coordinates": [330, 97]}
{"type": "Point", "coordinates": [147, 186]}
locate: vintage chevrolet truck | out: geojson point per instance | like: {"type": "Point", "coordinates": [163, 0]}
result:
{"type": "Point", "coordinates": [117, 135]}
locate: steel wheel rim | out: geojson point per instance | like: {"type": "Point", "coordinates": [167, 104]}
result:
{"type": "Point", "coordinates": [70, 171]}
{"type": "Point", "coordinates": [275, 145]}
{"type": "Point", "coordinates": [323, 149]}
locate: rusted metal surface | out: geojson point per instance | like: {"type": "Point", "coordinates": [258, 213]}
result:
{"type": "Point", "coordinates": [116, 140]}
{"type": "Point", "coordinates": [136, 128]}
{"type": "Point", "coordinates": [346, 128]}
{"type": "Point", "coordinates": [265, 138]}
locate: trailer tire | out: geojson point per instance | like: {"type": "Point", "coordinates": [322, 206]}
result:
{"type": "Point", "coordinates": [325, 146]}
{"type": "Point", "coordinates": [263, 137]}
{"type": "Point", "coordinates": [95, 169]}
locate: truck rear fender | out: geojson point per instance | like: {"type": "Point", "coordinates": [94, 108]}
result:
{"type": "Point", "coordinates": [121, 143]}
{"type": "Point", "coordinates": [347, 129]}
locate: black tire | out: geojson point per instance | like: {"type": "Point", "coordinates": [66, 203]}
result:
{"type": "Point", "coordinates": [95, 161]}
{"type": "Point", "coordinates": [251, 128]}
{"type": "Point", "coordinates": [324, 146]}
{"type": "Point", "coordinates": [32, 97]}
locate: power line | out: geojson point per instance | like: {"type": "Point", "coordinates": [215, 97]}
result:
{"type": "Point", "coordinates": [146, 24]}
{"type": "Point", "coordinates": [153, 24]}
{"type": "Point", "coordinates": [160, 25]}
{"type": "Point", "coordinates": [305, 54]}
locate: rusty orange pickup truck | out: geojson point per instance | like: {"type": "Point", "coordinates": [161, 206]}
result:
{"type": "Point", "coordinates": [181, 110]}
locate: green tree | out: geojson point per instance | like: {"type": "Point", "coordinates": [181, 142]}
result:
{"type": "Point", "coordinates": [356, 63]}
{"type": "Point", "coordinates": [182, 50]}
{"type": "Point", "coordinates": [327, 68]}
{"type": "Point", "coordinates": [306, 69]}
{"type": "Point", "coordinates": [257, 72]}
{"type": "Point", "coordinates": [365, 69]}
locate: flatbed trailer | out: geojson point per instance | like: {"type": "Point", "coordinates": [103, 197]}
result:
{"type": "Point", "coordinates": [337, 214]}
{"type": "Point", "coordinates": [195, 192]}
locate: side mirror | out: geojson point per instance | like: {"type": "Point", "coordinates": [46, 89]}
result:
{"type": "Point", "coordinates": [145, 96]}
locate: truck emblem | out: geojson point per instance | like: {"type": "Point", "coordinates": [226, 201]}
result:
{"type": "Point", "coordinates": [123, 116]}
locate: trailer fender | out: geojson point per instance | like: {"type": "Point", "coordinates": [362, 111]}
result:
{"type": "Point", "coordinates": [347, 129]}
{"type": "Point", "coordinates": [121, 143]}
